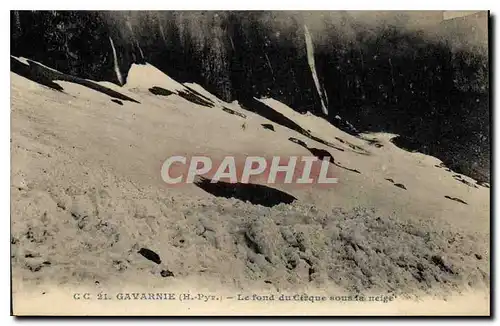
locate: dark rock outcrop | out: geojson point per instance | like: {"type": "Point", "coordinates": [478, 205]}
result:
{"type": "Point", "coordinates": [160, 91]}
{"type": "Point", "coordinates": [254, 193]}
{"type": "Point", "coordinates": [150, 254]}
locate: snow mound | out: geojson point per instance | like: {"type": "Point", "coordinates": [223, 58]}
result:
{"type": "Point", "coordinates": [147, 76]}
{"type": "Point", "coordinates": [308, 121]}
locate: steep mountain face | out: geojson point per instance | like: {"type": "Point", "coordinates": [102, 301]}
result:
{"type": "Point", "coordinates": [427, 88]}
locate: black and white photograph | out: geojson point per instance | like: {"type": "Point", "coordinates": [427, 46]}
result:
{"type": "Point", "coordinates": [250, 163]}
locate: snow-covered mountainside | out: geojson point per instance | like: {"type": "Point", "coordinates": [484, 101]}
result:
{"type": "Point", "coordinates": [411, 73]}
{"type": "Point", "coordinates": [90, 211]}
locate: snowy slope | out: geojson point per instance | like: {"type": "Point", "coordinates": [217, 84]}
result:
{"type": "Point", "coordinates": [87, 195]}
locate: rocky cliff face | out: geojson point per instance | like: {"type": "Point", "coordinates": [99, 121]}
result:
{"type": "Point", "coordinates": [422, 85]}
